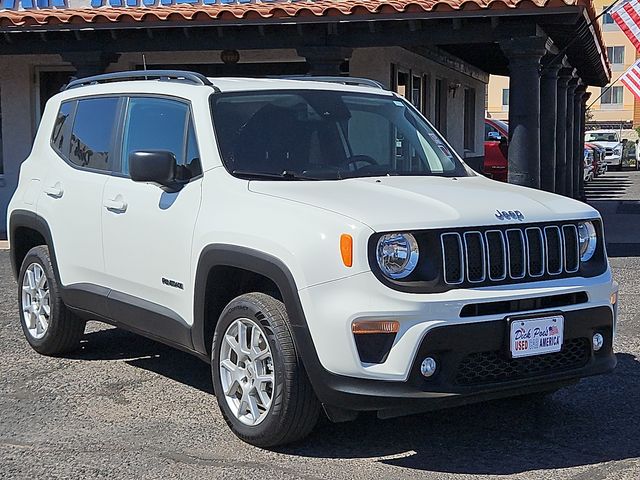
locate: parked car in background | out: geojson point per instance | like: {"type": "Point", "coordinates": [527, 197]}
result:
{"type": "Point", "coordinates": [588, 164]}
{"type": "Point", "coordinates": [599, 163]}
{"type": "Point", "coordinates": [496, 134]}
{"type": "Point", "coordinates": [610, 141]}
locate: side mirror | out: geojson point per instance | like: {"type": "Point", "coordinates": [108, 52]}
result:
{"type": "Point", "coordinates": [156, 166]}
{"type": "Point", "coordinates": [503, 140]}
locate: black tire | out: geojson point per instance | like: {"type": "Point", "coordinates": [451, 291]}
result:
{"type": "Point", "coordinates": [65, 330]}
{"type": "Point", "coordinates": [294, 407]}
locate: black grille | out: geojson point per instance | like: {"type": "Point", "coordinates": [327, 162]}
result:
{"type": "Point", "coordinates": [495, 255]}
{"type": "Point", "coordinates": [494, 367]}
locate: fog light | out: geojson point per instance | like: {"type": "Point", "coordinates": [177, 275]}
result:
{"type": "Point", "coordinates": [598, 341]}
{"type": "Point", "coordinates": [428, 367]}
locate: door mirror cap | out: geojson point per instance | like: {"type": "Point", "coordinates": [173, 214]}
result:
{"type": "Point", "coordinates": [155, 166]}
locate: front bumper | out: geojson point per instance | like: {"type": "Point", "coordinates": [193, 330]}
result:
{"type": "Point", "coordinates": [473, 365]}
{"type": "Point", "coordinates": [434, 325]}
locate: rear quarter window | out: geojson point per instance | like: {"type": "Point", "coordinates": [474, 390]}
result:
{"type": "Point", "coordinates": [62, 129]}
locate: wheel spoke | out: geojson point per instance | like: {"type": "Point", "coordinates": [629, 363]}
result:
{"type": "Point", "coordinates": [253, 407]}
{"type": "Point", "coordinates": [233, 343]}
{"type": "Point", "coordinates": [264, 398]}
{"type": "Point", "coordinates": [30, 279]}
{"type": "Point", "coordinates": [41, 279]}
{"type": "Point", "coordinates": [46, 309]}
{"type": "Point", "coordinates": [231, 389]}
{"type": "Point", "coordinates": [29, 317]}
{"type": "Point", "coordinates": [265, 378]}
{"type": "Point", "coordinates": [229, 366]}
{"type": "Point", "coordinates": [242, 338]}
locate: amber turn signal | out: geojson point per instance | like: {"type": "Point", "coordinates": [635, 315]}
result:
{"type": "Point", "coordinates": [346, 249]}
{"type": "Point", "coordinates": [374, 326]}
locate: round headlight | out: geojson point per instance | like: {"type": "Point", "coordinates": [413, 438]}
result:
{"type": "Point", "coordinates": [397, 254]}
{"type": "Point", "coordinates": [588, 240]}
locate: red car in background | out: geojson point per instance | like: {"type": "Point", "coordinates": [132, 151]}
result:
{"type": "Point", "coordinates": [496, 134]}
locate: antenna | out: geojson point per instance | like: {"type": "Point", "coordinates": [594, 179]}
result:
{"type": "Point", "coordinates": [144, 65]}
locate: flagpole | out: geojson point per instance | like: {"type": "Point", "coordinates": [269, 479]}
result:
{"type": "Point", "coordinates": [611, 84]}
{"type": "Point", "coordinates": [577, 37]}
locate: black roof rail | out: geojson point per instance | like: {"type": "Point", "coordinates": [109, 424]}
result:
{"type": "Point", "coordinates": [162, 75]}
{"type": "Point", "coordinates": [356, 81]}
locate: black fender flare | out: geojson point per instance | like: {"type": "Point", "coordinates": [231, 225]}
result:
{"type": "Point", "coordinates": [273, 268]}
{"type": "Point", "coordinates": [33, 221]}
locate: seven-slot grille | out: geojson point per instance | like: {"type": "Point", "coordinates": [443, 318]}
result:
{"type": "Point", "coordinates": [496, 255]}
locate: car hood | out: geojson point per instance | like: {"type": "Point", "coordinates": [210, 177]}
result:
{"type": "Point", "coordinates": [413, 202]}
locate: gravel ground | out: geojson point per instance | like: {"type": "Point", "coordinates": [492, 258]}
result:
{"type": "Point", "coordinates": [125, 407]}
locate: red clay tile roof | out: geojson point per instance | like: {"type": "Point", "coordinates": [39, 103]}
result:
{"type": "Point", "coordinates": [158, 15]}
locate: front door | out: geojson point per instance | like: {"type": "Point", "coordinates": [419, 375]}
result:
{"type": "Point", "coordinates": [147, 231]}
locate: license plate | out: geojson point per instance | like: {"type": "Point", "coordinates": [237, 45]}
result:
{"type": "Point", "coordinates": [536, 336]}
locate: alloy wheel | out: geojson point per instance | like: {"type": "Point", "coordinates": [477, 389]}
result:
{"type": "Point", "coordinates": [246, 371]}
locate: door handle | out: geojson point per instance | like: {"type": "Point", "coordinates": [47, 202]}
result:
{"type": "Point", "coordinates": [55, 191]}
{"type": "Point", "coordinates": [117, 205]}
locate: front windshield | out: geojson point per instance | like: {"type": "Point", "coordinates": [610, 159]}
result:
{"type": "Point", "coordinates": [602, 137]}
{"type": "Point", "coordinates": [326, 135]}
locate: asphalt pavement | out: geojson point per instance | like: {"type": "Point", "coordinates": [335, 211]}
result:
{"type": "Point", "coordinates": [124, 407]}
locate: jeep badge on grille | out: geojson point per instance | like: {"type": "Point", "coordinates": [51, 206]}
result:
{"type": "Point", "coordinates": [510, 215]}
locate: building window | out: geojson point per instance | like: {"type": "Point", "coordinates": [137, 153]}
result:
{"type": "Point", "coordinates": [416, 92]}
{"type": "Point", "coordinates": [611, 96]}
{"type": "Point", "coordinates": [616, 55]}
{"type": "Point", "coordinates": [469, 119]}
{"type": "Point", "coordinates": [505, 97]}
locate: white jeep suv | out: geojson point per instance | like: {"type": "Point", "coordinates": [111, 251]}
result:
{"type": "Point", "coordinates": [317, 242]}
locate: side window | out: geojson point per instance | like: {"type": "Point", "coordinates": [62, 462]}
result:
{"type": "Point", "coordinates": [92, 134]}
{"type": "Point", "coordinates": [161, 124]}
{"type": "Point", "coordinates": [62, 129]}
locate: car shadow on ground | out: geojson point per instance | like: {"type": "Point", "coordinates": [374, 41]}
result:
{"type": "Point", "coordinates": [140, 352]}
{"type": "Point", "coordinates": [592, 422]}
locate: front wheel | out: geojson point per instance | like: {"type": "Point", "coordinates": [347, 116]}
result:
{"type": "Point", "coordinates": [260, 383]}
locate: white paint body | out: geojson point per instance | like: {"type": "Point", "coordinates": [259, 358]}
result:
{"type": "Point", "coordinates": [299, 223]}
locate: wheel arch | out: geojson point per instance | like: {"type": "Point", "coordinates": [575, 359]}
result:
{"type": "Point", "coordinates": [27, 230]}
{"type": "Point", "coordinates": [220, 257]}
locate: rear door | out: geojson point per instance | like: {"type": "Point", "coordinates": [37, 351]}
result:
{"type": "Point", "coordinates": [82, 157]}
{"type": "Point", "coordinates": [148, 231]}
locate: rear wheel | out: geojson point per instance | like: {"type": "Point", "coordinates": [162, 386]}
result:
{"type": "Point", "coordinates": [261, 386]}
{"type": "Point", "coordinates": [50, 328]}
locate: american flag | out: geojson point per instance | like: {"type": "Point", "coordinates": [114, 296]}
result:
{"type": "Point", "coordinates": [553, 330]}
{"type": "Point", "coordinates": [631, 79]}
{"type": "Point", "coordinates": [627, 16]}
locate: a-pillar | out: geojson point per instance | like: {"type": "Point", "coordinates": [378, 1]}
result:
{"type": "Point", "coordinates": [571, 88]}
{"type": "Point", "coordinates": [548, 117]}
{"type": "Point", "coordinates": [325, 60]}
{"type": "Point", "coordinates": [564, 75]}
{"type": "Point", "coordinates": [88, 64]}
{"type": "Point", "coordinates": [524, 56]}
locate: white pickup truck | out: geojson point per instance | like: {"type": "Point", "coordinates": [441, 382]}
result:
{"type": "Point", "coordinates": [610, 141]}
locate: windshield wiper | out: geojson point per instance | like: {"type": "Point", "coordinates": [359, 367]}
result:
{"type": "Point", "coordinates": [285, 175]}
